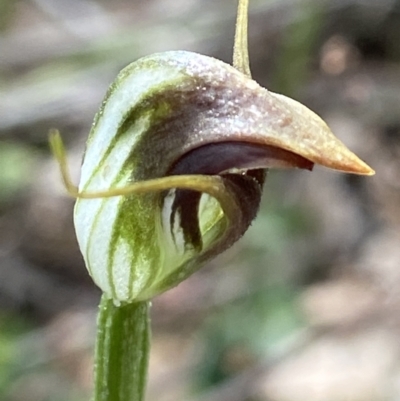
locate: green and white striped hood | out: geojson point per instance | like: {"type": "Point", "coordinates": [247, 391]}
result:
{"type": "Point", "coordinates": [159, 110]}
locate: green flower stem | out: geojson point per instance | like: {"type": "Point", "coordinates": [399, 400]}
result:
{"type": "Point", "coordinates": [122, 351]}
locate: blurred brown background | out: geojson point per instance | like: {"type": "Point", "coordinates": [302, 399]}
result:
{"type": "Point", "coordinates": [306, 306]}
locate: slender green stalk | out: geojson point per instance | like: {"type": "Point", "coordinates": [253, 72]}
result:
{"type": "Point", "coordinates": [241, 48]}
{"type": "Point", "coordinates": [122, 351]}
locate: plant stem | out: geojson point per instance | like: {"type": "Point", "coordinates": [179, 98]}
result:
{"type": "Point", "coordinates": [122, 351]}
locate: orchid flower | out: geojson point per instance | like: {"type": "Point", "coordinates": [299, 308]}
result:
{"type": "Point", "coordinates": [174, 170]}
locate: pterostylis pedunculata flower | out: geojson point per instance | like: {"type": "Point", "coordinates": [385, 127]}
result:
{"type": "Point", "coordinates": [175, 164]}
